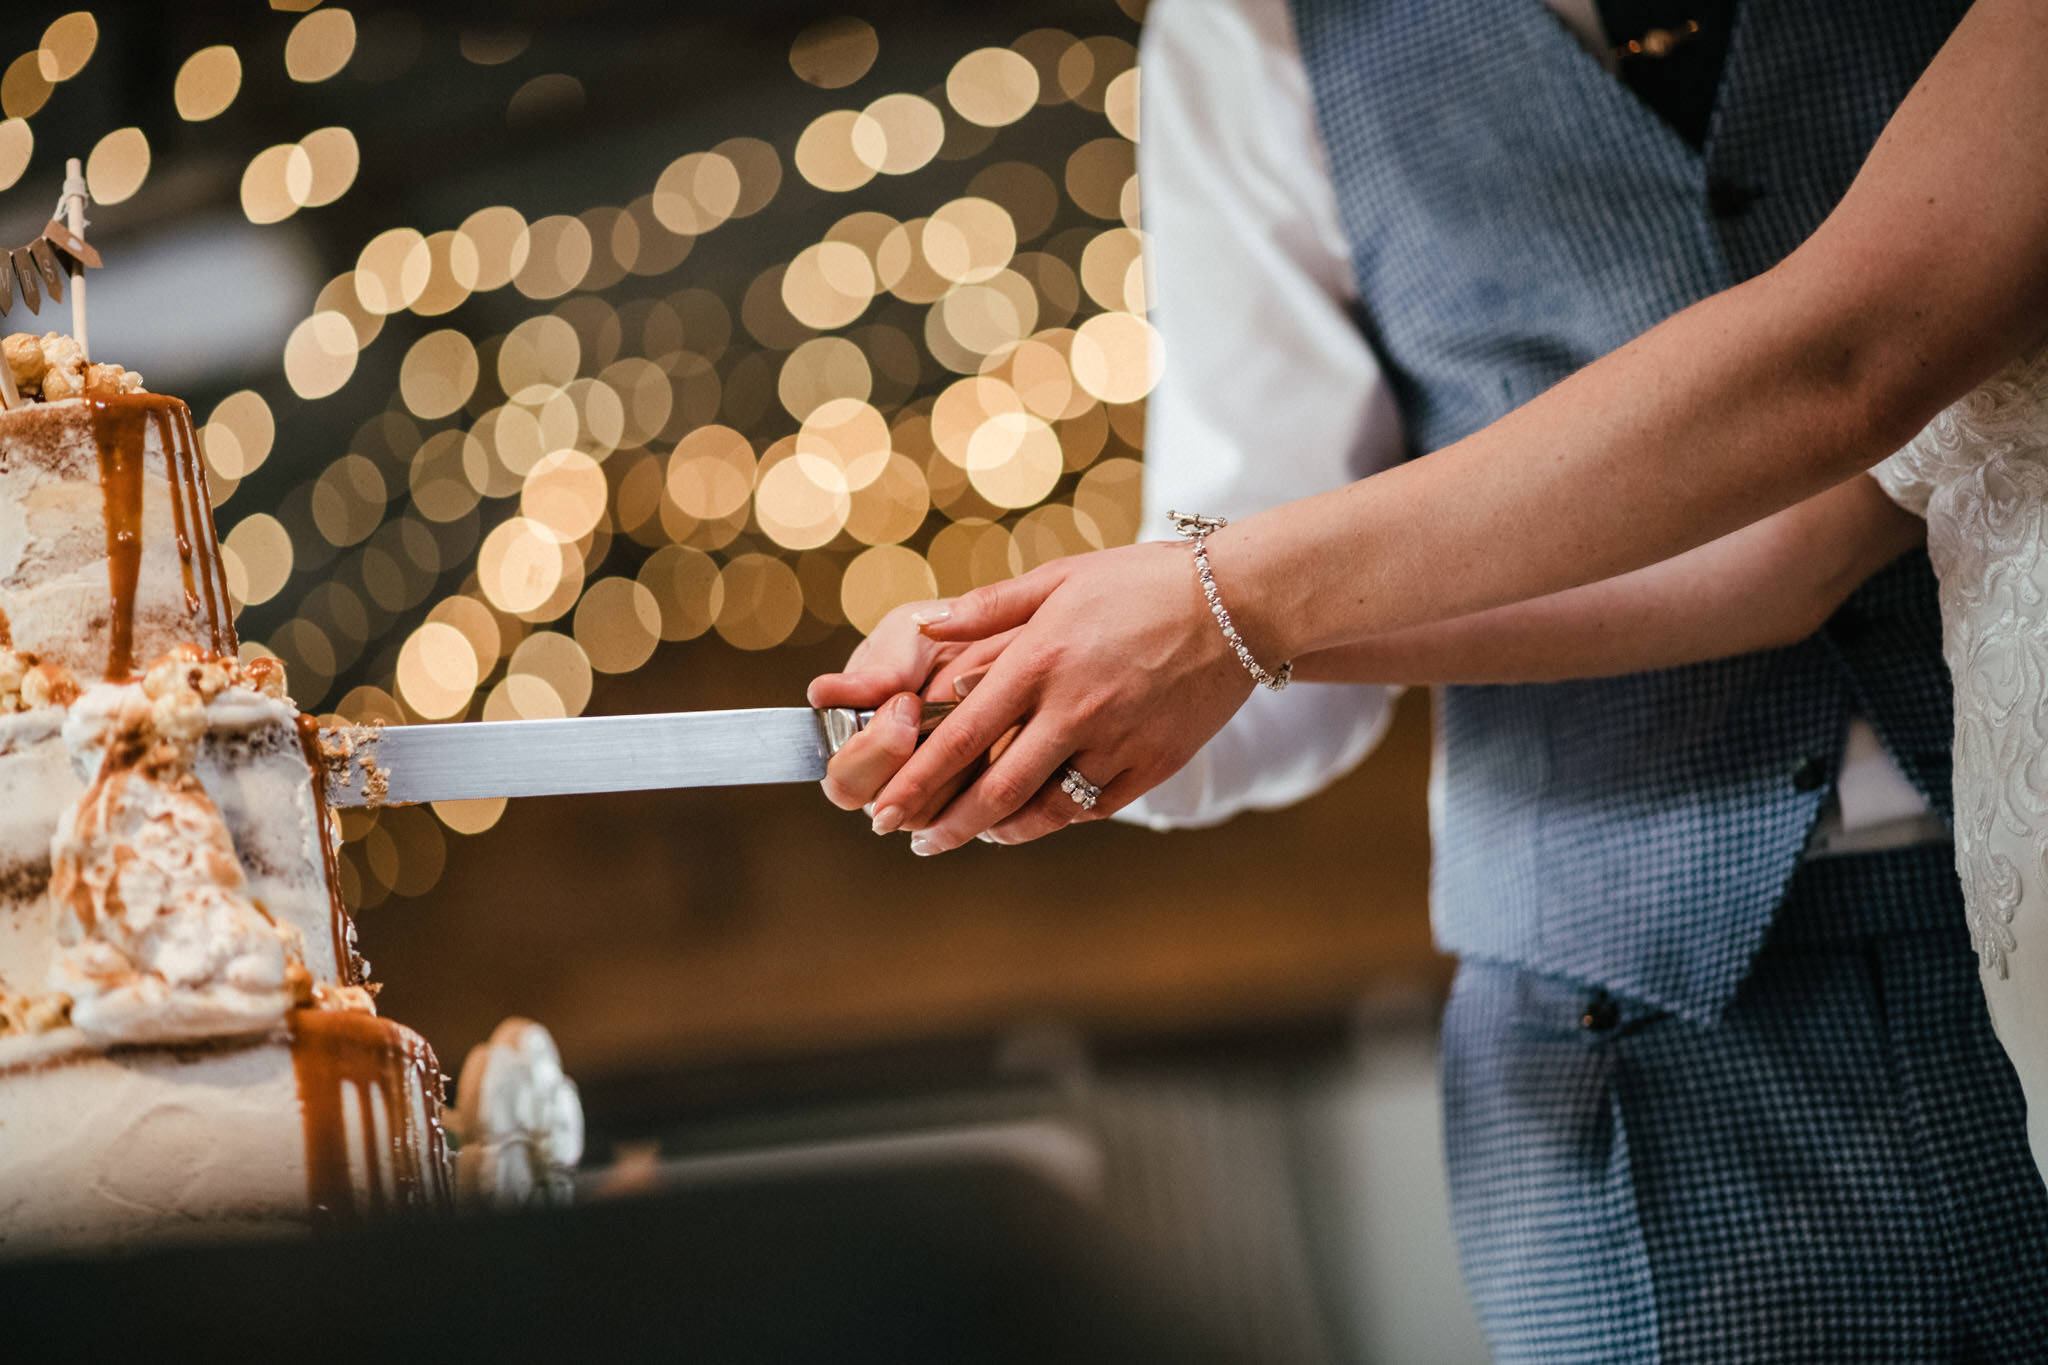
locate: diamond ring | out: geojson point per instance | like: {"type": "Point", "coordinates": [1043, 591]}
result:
{"type": "Point", "coordinates": [1084, 792]}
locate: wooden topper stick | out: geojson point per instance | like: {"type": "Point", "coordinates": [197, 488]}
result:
{"type": "Point", "coordinates": [74, 217]}
{"type": "Point", "coordinates": [10, 397]}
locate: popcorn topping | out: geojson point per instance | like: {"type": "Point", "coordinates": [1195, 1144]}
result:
{"type": "Point", "coordinates": [53, 367]}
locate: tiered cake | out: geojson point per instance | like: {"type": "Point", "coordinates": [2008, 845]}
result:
{"type": "Point", "coordinates": [187, 1041]}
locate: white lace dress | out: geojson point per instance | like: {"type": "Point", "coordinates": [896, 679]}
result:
{"type": "Point", "coordinates": [1979, 474]}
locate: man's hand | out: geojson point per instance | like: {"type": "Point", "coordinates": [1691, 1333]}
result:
{"type": "Point", "coordinates": [895, 671]}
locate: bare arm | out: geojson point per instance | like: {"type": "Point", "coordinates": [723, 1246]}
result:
{"type": "Point", "coordinates": [1931, 273]}
{"type": "Point", "coordinates": [1765, 586]}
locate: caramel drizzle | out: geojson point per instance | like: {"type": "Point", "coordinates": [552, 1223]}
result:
{"type": "Point", "coordinates": [119, 423]}
{"type": "Point", "coordinates": [309, 744]}
{"type": "Point", "coordinates": [181, 530]}
{"type": "Point", "coordinates": [117, 433]}
{"type": "Point", "coordinates": [335, 1052]}
{"type": "Point", "coordinates": [200, 547]}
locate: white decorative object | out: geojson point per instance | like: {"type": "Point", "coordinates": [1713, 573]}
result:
{"type": "Point", "coordinates": [518, 1122]}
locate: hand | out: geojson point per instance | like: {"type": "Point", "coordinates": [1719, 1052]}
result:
{"type": "Point", "coordinates": [894, 671]}
{"type": "Point", "coordinates": [1116, 669]}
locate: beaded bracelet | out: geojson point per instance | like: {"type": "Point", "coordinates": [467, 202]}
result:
{"type": "Point", "coordinates": [1195, 528]}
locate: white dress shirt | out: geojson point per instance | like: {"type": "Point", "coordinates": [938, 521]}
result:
{"type": "Point", "coordinates": [1269, 391]}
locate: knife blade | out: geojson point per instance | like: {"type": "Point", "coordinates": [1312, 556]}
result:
{"type": "Point", "coordinates": [395, 765]}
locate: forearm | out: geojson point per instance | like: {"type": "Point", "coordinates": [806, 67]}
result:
{"type": "Point", "coordinates": [1765, 586]}
{"type": "Point", "coordinates": [1932, 272]}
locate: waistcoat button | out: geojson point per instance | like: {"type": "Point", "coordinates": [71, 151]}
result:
{"type": "Point", "coordinates": [1808, 775]}
{"type": "Point", "coordinates": [1727, 199]}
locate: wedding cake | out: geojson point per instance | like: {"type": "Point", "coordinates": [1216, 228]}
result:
{"type": "Point", "coordinates": [189, 1043]}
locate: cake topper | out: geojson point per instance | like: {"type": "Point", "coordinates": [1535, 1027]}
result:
{"type": "Point", "coordinates": [40, 267]}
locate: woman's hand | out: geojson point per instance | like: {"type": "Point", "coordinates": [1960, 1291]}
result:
{"type": "Point", "coordinates": [894, 671]}
{"type": "Point", "coordinates": [1116, 669]}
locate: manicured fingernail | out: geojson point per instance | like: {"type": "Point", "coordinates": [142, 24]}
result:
{"type": "Point", "coordinates": [921, 619]}
{"type": "Point", "coordinates": [923, 846]}
{"type": "Point", "coordinates": [869, 810]}
{"type": "Point", "coordinates": [967, 681]}
{"type": "Point", "coordinates": [887, 819]}
{"type": "Point", "coordinates": [988, 837]}
{"type": "Point", "coordinates": [904, 710]}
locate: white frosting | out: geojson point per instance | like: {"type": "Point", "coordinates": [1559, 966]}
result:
{"type": "Point", "coordinates": [114, 1149]}
{"type": "Point", "coordinates": [158, 939]}
{"type": "Point", "coordinates": [36, 783]}
{"type": "Point", "coordinates": [53, 542]}
{"type": "Point", "coordinates": [104, 1149]}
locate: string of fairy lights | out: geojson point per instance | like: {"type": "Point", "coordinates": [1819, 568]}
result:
{"type": "Point", "coordinates": [623, 466]}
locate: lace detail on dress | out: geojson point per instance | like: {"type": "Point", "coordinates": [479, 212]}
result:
{"type": "Point", "coordinates": [1979, 474]}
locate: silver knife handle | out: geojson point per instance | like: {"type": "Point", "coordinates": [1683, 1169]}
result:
{"type": "Point", "coordinates": [843, 722]}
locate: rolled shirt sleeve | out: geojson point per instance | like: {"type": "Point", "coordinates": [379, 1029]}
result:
{"type": "Point", "coordinates": [1269, 391]}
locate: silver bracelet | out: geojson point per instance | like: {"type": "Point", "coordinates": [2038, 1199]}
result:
{"type": "Point", "coordinates": [1195, 528]}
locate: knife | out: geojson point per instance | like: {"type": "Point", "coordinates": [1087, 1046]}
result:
{"type": "Point", "coordinates": [400, 765]}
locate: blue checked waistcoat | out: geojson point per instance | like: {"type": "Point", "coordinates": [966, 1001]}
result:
{"type": "Point", "coordinates": [1514, 212]}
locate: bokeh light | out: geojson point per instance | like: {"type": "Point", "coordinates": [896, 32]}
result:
{"type": "Point", "coordinates": [881, 579]}
{"type": "Point", "coordinates": [437, 671]}
{"type": "Point", "coordinates": [821, 370]}
{"type": "Point", "coordinates": [501, 240]}
{"type": "Point", "coordinates": [992, 87]}
{"type": "Point", "coordinates": [565, 492]}
{"type": "Point", "coordinates": [67, 45]}
{"type": "Point", "coordinates": [696, 192]}
{"type": "Point", "coordinates": [23, 87]}
{"type": "Point", "coordinates": [969, 239]}
{"type": "Point", "coordinates": [912, 131]}
{"type": "Point", "coordinates": [834, 52]}
{"type": "Point", "coordinates": [618, 623]}
{"type": "Point", "coordinates": [322, 167]}
{"type": "Point", "coordinates": [1097, 173]}
{"type": "Point", "coordinates": [687, 590]}
{"type": "Point", "coordinates": [519, 566]}
{"type": "Point", "coordinates": [802, 500]}
{"type": "Point", "coordinates": [393, 270]}
{"type": "Point", "coordinates": [493, 46]}
{"type": "Point", "coordinates": [760, 170]}
{"type": "Point", "coordinates": [557, 257]}
{"type": "Point", "coordinates": [558, 662]}
{"type": "Point", "coordinates": [348, 500]}
{"type": "Point", "coordinates": [551, 97]}
{"type": "Point", "coordinates": [17, 148]}
{"type": "Point", "coordinates": [256, 558]}
{"type": "Point", "coordinates": [828, 285]}
{"type": "Point", "coordinates": [207, 83]}
{"type": "Point", "coordinates": [320, 355]}
{"type": "Point", "coordinates": [841, 150]}
{"type": "Point", "coordinates": [1116, 357]}
{"type": "Point", "coordinates": [454, 266]}
{"type": "Point", "coordinates": [320, 45]}
{"type": "Point", "coordinates": [1120, 103]}
{"type": "Point", "coordinates": [438, 374]}
{"type": "Point", "coordinates": [760, 604]}
{"type": "Point", "coordinates": [238, 435]}
{"type": "Point", "coordinates": [118, 165]}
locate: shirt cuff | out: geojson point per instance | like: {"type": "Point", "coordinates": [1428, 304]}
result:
{"type": "Point", "coordinates": [1279, 748]}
